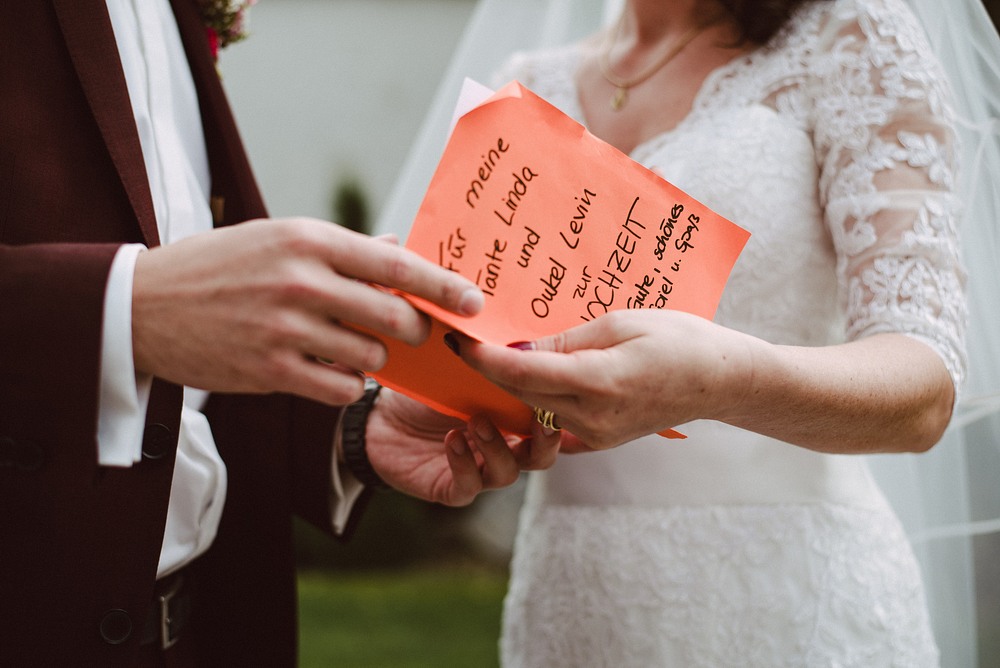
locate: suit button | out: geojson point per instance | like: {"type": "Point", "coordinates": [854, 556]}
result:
{"type": "Point", "coordinates": [156, 441]}
{"type": "Point", "coordinates": [116, 627]}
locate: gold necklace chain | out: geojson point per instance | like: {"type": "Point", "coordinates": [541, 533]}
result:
{"type": "Point", "coordinates": [621, 84]}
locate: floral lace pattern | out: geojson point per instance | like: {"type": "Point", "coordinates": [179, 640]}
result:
{"type": "Point", "coordinates": [715, 587]}
{"type": "Point", "coordinates": [830, 92]}
{"type": "Point", "coordinates": [834, 147]}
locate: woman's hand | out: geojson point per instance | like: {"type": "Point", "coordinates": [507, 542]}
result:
{"type": "Point", "coordinates": [441, 459]}
{"type": "Point", "coordinates": [631, 373]}
{"type": "Point", "coordinates": [623, 375]}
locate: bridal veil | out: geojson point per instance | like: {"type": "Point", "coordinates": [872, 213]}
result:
{"type": "Point", "coordinates": [948, 498]}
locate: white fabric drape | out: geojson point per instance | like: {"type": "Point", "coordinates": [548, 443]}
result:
{"type": "Point", "coordinates": [951, 494]}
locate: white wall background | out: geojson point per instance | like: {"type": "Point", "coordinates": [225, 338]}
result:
{"type": "Point", "coordinates": [325, 90]}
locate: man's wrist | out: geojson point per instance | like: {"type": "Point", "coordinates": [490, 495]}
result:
{"type": "Point", "coordinates": [353, 443]}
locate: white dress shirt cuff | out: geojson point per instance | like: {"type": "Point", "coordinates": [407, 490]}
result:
{"type": "Point", "coordinates": [123, 394]}
{"type": "Point", "coordinates": [346, 488]}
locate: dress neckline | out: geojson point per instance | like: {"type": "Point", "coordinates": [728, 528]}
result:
{"type": "Point", "coordinates": [704, 94]}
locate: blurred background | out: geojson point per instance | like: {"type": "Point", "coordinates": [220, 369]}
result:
{"type": "Point", "coordinates": [329, 95]}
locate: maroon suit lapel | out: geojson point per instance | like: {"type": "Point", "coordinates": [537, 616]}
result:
{"type": "Point", "coordinates": [92, 47]}
{"type": "Point", "coordinates": [233, 182]}
{"type": "Point", "coordinates": [89, 36]}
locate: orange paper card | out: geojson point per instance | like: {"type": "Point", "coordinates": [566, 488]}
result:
{"type": "Point", "coordinates": [556, 227]}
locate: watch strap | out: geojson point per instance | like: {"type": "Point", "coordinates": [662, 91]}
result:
{"type": "Point", "coordinates": [353, 443]}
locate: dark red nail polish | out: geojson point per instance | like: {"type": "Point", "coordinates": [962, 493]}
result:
{"type": "Point", "coordinates": [522, 345]}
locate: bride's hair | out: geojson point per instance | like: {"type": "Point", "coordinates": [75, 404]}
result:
{"type": "Point", "coordinates": [760, 20]}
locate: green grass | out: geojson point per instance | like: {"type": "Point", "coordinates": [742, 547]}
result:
{"type": "Point", "coordinates": [409, 619]}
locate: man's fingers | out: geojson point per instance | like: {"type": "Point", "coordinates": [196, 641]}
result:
{"type": "Point", "coordinates": [316, 337]}
{"type": "Point", "coordinates": [375, 309]}
{"type": "Point", "coordinates": [467, 479]}
{"type": "Point", "coordinates": [326, 383]}
{"type": "Point", "coordinates": [540, 450]}
{"type": "Point", "coordinates": [388, 238]}
{"type": "Point", "coordinates": [571, 444]}
{"type": "Point", "coordinates": [383, 263]}
{"type": "Point", "coordinates": [500, 468]}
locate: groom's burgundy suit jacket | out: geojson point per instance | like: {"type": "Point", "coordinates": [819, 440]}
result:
{"type": "Point", "coordinates": [79, 543]}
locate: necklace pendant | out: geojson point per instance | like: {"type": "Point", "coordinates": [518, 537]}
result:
{"type": "Point", "coordinates": [619, 98]}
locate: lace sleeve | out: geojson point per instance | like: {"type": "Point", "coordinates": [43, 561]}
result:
{"type": "Point", "coordinates": [887, 153]}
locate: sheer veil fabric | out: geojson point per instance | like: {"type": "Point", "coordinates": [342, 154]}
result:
{"type": "Point", "coordinates": [947, 496]}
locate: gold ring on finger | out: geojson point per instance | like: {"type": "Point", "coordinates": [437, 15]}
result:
{"type": "Point", "coordinates": [547, 419]}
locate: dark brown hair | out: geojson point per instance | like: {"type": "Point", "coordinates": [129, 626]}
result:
{"type": "Point", "coordinates": [760, 20]}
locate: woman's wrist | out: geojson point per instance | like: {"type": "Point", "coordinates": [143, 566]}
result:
{"type": "Point", "coordinates": [734, 387]}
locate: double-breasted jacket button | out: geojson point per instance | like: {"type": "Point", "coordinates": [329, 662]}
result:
{"type": "Point", "coordinates": [116, 626]}
{"type": "Point", "coordinates": [156, 441]}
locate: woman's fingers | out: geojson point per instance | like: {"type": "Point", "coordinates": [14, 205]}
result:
{"type": "Point", "coordinates": [517, 370]}
{"type": "Point", "coordinates": [604, 332]}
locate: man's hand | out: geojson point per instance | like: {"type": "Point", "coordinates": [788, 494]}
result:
{"type": "Point", "coordinates": [272, 305]}
{"type": "Point", "coordinates": [443, 460]}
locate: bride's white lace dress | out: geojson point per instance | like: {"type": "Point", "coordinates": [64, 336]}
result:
{"type": "Point", "coordinates": [833, 146]}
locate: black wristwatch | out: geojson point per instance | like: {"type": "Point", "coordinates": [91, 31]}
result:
{"type": "Point", "coordinates": [354, 425]}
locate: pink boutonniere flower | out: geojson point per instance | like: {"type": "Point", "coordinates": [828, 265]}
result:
{"type": "Point", "coordinates": [225, 22]}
